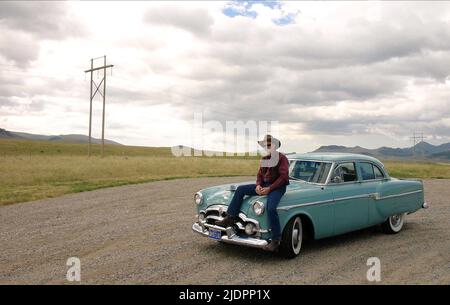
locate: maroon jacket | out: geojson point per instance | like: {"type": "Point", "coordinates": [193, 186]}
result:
{"type": "Point", "coordinates": [276, 176]}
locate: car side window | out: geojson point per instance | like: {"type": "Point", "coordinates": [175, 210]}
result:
{"type": "Point", "coordinates": [378, 173]}
{"type": "Point", "coordinates": [367, 171]}
{"type": "Point", "coordinates": [344, 172]}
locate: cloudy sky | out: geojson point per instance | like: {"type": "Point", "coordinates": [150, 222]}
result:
{"type": "Point", "coordinates": [367, 74]}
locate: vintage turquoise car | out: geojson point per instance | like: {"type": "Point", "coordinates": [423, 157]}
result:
{"type": "Point", "coordinates": [329, 194]}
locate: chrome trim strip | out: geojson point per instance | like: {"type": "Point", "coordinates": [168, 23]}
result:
{"type": "Point", "coordinates": [375, 196]}
{"type": "Point", "coordinates": [323, 201]}
{"type": "Point", "coordinates": [233, 239]}
{"type": "Point", "coordinates": [286, 208]}
{"type": "Point", "coordinates": [209, 226]}
{"type": "Point", "coordinates": [359, 182]}
{"type": "Point", "coordinates": [355, 197]}
{"type": "Point", "coordinates": [344, 183]}
{"type": "Point", "coordinates": [398, 195]}
{"type": "Point", "coordinates": [374, 180]}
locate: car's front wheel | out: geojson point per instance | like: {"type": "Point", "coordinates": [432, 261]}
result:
{"type": "Point", "coordinates": [394, 224]}
{"type": "Point", "coordinates": [291, 242]}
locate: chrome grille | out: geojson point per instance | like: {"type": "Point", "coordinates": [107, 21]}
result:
{"type": "Point", "coordinates": [218, 212]}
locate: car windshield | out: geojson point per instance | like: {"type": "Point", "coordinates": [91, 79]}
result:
{"type": "Point", "coordinates": [309, 171]}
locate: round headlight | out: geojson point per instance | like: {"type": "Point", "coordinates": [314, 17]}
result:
{"type": "Point", "coordinates": [198, 198]}
{"type": "Point", "coordinates": [249, 229]}
{"type": "Point", "coordinates": [258, 208]}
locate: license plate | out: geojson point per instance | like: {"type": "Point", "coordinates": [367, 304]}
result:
{"type": "Point", "coordinates": [215, 234]}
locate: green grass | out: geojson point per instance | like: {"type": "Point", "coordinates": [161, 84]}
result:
{"type": "Point", "coordinates": [32, 170]}
{"type": "Point", "coordinates": [48, 148]}
{"type": "Point", "coordinates": [422, 170]}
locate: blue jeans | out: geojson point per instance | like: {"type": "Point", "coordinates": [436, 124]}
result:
{"type": "Point", "coordinates": [273, 198]}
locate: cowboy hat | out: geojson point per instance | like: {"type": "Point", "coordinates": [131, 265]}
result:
{"type": "Point", "coordinates": [270, 139]}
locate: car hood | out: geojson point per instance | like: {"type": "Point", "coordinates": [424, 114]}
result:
{"type": "Point", "coordinates": [222, 194]}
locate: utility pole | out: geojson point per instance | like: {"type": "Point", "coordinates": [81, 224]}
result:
{"type": "Point", "coordinates": [90, 111]}
{"type": "Point", "coordinates": [91, 97]}
{"type": "Point", "coordinates": [415, 138]}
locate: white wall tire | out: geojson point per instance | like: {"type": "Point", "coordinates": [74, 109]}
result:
{"type": "Point", "coordinates": [394, 224]}
{"type": "Point", "coordinates": [291, 242]}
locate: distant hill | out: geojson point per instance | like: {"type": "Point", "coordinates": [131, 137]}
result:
{"type": "Point", "coordinates": [423, 150]}
{"type": "Point", "coordinates": [71, 138]}
{"type": "Point", "coordinates": [196, 152]}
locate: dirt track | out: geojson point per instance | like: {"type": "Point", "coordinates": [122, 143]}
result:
{"type": "Point", "coordinates": [142, 234]}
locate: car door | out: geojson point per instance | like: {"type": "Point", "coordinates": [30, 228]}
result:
{"type": "Point", "coordinates": [351, 208]}
{"type": "Point", "coordinates": [372, 179]}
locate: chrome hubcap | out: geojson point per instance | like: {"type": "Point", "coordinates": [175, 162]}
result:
{"type": "Point", "coordinates": [297, 236]}
{"type": "Point", "coordinates": [396, 220]}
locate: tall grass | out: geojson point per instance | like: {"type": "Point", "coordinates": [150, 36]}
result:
{"type": "Point", "coordinates": [25, 178]}
{"type": "Point", "coordinates": [423, 170]}
{"type": "Point", "coordinates": [31, 170]}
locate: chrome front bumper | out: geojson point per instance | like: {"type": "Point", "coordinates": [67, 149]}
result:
{"type": "Point", "coordinates": [231, 237]}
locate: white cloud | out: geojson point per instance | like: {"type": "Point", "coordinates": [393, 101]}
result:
{"type": "Point", "coordinates": [365, 74]}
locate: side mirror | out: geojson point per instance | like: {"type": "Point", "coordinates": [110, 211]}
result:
{"type": "Point", "coordinates": [337, 179]}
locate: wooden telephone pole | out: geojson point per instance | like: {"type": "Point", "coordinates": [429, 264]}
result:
{"type": "Point", "coordinates": [91, 97]}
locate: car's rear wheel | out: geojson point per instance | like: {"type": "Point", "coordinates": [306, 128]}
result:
{"type": "Point", "coordinates": [291, 241]}
{"type": "Point", "coordinates": [394, 224]}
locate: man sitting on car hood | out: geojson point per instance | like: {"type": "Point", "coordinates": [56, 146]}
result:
{"type": "Point", "coordinates": [271, 180]}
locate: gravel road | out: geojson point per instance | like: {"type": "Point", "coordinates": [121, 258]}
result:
{"type": "Point", "coordinates": [142, 234]}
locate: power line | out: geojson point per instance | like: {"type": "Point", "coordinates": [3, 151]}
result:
{"type": "Point", "coordinates": [166, 93]}
{"type": "Point", "coordinates": [74, 78]}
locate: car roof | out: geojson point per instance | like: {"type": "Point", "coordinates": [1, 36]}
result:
{"type": "Point", "coordinates": [332, 157]}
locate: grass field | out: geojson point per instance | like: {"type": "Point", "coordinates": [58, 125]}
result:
{"type": "Point", "coordinates": [33, 170]}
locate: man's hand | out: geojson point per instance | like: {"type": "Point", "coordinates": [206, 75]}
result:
{"type": "Point", "coordinates": [258, 189]}
{"type": "Point", "coordinates": [265, 191]}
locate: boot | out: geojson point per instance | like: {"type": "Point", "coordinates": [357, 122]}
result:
{"type": "Point", "coordinates": [228, 221]}
{"type": "Point", "coordinates": [272, 246]}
